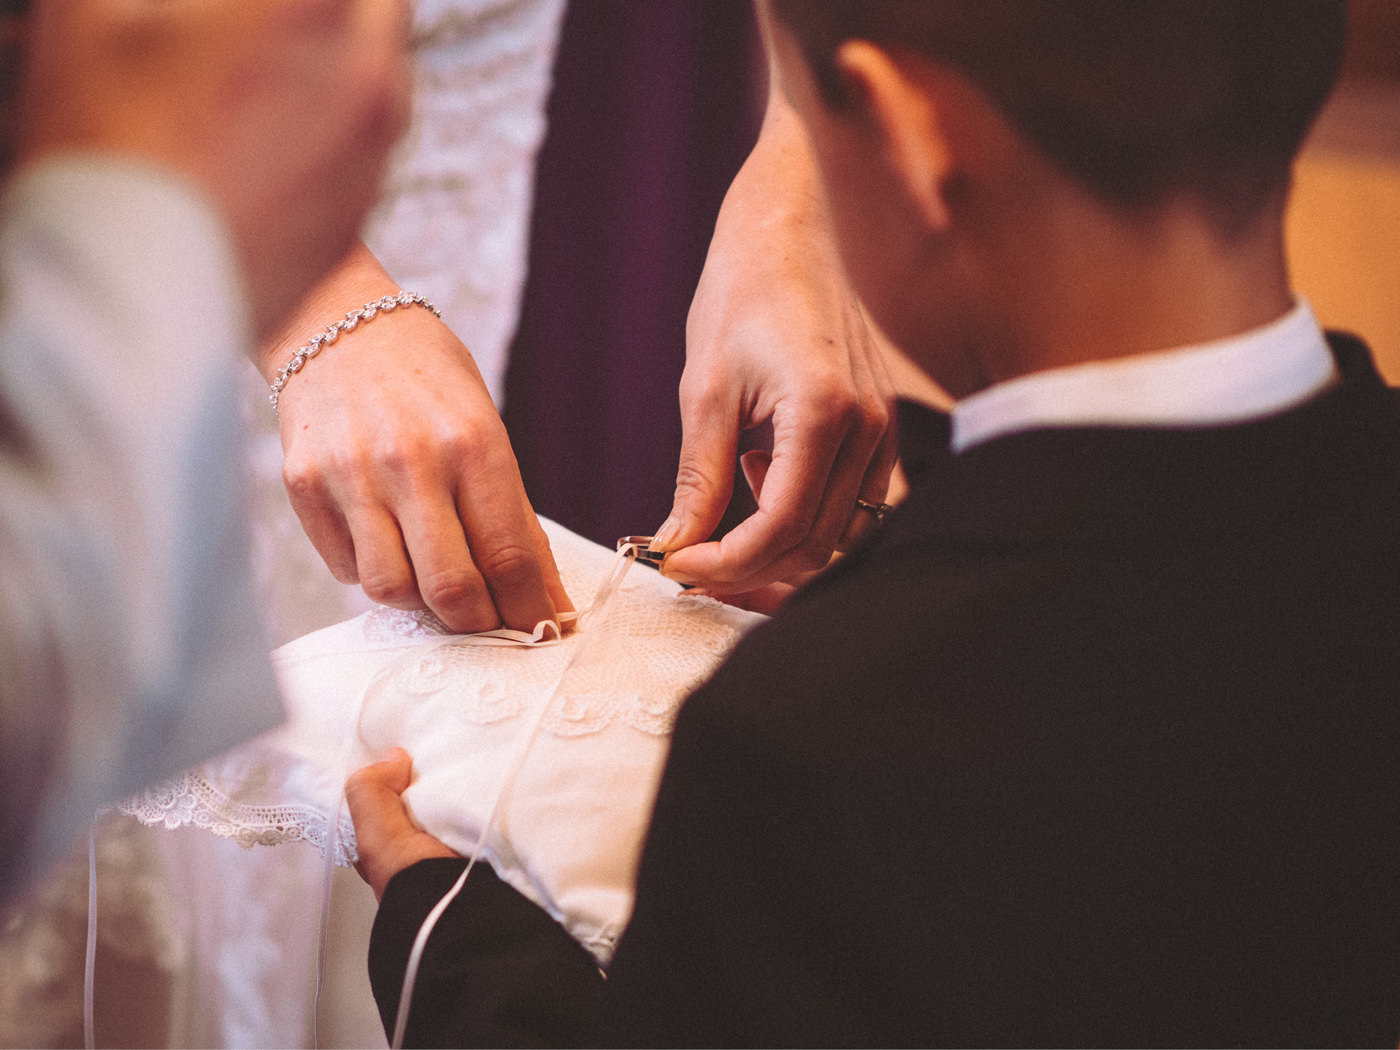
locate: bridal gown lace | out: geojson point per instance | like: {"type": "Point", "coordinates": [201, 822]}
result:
{"type": "Point", "coordinates": [184, 958]}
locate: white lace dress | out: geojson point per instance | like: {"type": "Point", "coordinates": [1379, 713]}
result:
{"type": "Point", "coordinates": [183, 960]}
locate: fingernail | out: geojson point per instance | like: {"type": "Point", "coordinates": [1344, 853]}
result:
{"type": "Point", "coordinates": [662, 539]}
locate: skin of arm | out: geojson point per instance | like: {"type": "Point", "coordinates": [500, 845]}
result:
{"type": "Point", "coordinates": [307, 107]}
{"type": "Point", "coordinates": [282, 170]}
{"type": "Point", "coordinates": [399, 467]}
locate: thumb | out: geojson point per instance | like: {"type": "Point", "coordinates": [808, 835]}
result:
{"type": "Point", "coordinates": [387, 839]}
{"type": "Point", "coordinates": [373, 795]}
{"type": "Point", "coordinates": [391, 773]}
{"type": "Point", "coordinates": [704, 479]}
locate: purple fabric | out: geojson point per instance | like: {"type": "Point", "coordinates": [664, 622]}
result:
{"type": "Point", "coordinates": [655, 105]}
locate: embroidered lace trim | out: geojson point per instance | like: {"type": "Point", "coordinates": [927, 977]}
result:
{"type": "Point", "coordinates": [639, 675]}
{"type": "Point", "coordinates": [383, 624]}
{"type": "Point", "coordinates": [189, 800]}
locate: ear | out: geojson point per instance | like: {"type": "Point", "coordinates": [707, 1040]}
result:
{"type": "Point", "coordinates": [907, 119]}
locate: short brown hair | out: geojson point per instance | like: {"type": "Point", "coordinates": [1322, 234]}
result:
{"type": "Point", "coordinates": [1138, 99]}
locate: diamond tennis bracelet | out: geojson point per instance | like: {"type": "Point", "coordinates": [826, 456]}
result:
{"type": "Point", "coordinates": [332, 332]}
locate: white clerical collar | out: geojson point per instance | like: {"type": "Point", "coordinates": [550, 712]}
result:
{"type": "Point", "coordinates": [1259, 373]}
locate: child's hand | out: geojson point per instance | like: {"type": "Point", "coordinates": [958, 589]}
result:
{"type": "Point", "coordinates": [388, 839]}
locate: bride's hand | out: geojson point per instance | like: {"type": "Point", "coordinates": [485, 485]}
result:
{"type": "Point", "coordinates": [775, 336]}
{"type": "Point", "coordinates": [398, 464]}
{"type": "Point", "coordinates": [386, 837]}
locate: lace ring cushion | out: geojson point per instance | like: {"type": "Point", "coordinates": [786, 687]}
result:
{"type": "Point", "coordinates": [563, 742]}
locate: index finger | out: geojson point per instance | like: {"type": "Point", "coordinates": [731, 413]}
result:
{"type": "Point", "coordinates": [789, 505]}
{"type": "Point", "coordinates": [508, 546]}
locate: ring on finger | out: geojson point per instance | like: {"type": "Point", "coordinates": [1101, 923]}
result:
{"type": "Point", "coordinates": [877, 509]}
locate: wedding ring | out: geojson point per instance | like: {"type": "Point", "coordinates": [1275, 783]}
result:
{"type": "Point", "coordinates": [878, 509]}
{"type": "Point", "coordinates": [641, 550]}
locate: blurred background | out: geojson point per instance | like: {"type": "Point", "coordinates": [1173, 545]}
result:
{"type": "Point", "coordinates": [1344, 224]}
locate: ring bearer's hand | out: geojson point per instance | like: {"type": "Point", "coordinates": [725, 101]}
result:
{"type": "Point", "coordinates": [387, 838]}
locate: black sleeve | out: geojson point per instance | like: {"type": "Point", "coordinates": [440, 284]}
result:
{"type": "Point", "coordinates": [726, 945]}
{"type": "Point", "coordinates": [498, 971]}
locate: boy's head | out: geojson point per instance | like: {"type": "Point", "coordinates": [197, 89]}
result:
{"type": "Point", "coordinates": [1136, 98]}
{"type": "Point", "coordinates": [1137, 108]}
